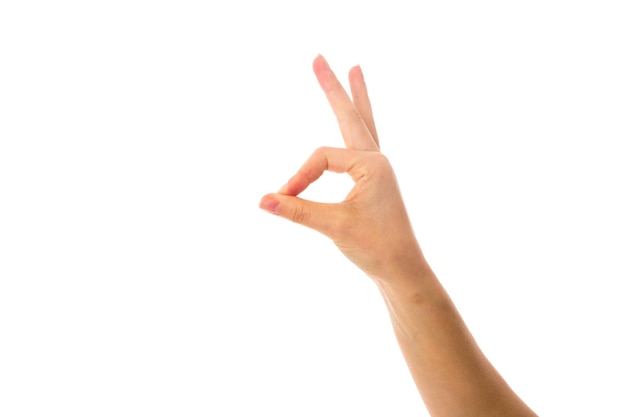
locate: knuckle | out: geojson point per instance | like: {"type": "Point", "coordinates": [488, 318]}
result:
{"type": "Point", "coordinates": [300, 214]}
{"type": "Point", "coordinates": [381, 159]}
{"type": "Point", "coordinates": [379, 166]}
{"type": "Point", "coordinates": [378, 161]}
{"type": "Point", "coordinates": [322, 150]}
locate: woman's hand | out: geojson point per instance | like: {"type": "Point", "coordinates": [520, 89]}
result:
{"type": "Point", "coordinates": [372, 229]}
{"type": "Point", "coordinates": [371, 226]}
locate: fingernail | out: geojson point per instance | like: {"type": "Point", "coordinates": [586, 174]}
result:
{"type": "Point", "coordinates": [269, 204]}
{"type": "Point", "coordinates": [360, 73]}
{"type": "Point", "coordinates": [323, 72]}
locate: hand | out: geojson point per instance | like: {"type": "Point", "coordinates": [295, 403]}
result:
{"type": "Point", "coordinates": [372, 229]}
{"type": "Point", "coordinates": [371, 226]}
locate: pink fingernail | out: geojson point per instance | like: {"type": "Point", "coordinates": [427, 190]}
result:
{"type": "Point", "coordinates": [360, 73]}
{"type": "Point", "coordinates": [269, 204]}
{"type": "Point", "coordinates": [323, 72]}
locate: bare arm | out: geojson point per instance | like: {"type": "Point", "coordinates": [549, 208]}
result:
{"type": "Point", "coordinates": [371, 227]}
{"type": "Point", "coordinates": [452, 374]}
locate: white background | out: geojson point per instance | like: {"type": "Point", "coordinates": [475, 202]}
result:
{"type": "Point", "coordinates": [138, 277]}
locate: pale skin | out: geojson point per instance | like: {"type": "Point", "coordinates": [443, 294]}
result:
{"type": "Point", "coordinates": [372, 228]}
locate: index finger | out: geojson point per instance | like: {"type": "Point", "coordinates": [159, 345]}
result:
{"type": "Point", "coordinates": [323, 159]}
{"type": "Point", "coordinates": [353, 129]}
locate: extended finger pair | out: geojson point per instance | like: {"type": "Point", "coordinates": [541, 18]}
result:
{"type": "Point", "coordinates": [355, 116]}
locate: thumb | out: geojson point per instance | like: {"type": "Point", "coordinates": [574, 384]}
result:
{"type": "Point", "coordinates": [319, 216]}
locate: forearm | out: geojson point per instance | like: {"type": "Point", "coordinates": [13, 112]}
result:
{"type": "Point", "coordinates": [452, 374]}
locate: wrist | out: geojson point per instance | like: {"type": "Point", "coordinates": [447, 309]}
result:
{"type": "Point", "coordinates": [409, 280]}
